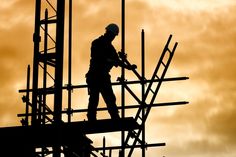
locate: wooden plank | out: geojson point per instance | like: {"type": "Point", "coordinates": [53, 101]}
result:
{"type": "Point", "coordinates": [106, 125]}
{"type": "Point", "coordinates": [67, 133]}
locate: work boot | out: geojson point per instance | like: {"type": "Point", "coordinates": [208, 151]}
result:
{"type": "Point", "coordinates": [91, 117]}
{"type": "Point", "coordinates": [115, 116]}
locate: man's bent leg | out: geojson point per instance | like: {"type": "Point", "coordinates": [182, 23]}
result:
{"type": "Point", "coordinates": [93, 103]}
{"type": "Point", "coordinates": [110, 100]}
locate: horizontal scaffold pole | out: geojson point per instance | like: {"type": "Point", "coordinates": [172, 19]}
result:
{"type": "Point", "coordinates": [119, 107]}
{"type": "Point", "coordinates": [114, 83]}
{"type": "Point", "coordinates": [130, 146]}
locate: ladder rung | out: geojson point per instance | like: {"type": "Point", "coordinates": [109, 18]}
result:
{"type": "Point", "coordinates": [47, 91]}
{"type": "Point", "coordinates": [163, 63]}
{"type": "Point", "coordinates": [152, 91]}
{"type": "Point", "coordinates": [48, 55]}
{"type": "Point", "coordinates": [51, 62]}
{"type": "Point", "coordinates": [48, 21]}
{"type": "Point", "coordinates": [49, 58]}
{"type": "Point", "coordinates": [167, 49]}
{"type": "Point", "coordinates": [47, 108]}
{"type": "Point", "coordinates": [140, 117]}
{"type": "Point", "coordinates": [48, 49]}
{"type": "Point", "coordinates": [49, 119]}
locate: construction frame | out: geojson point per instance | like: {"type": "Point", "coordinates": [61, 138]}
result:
{"type": "Point", "coordinates": [43, 131]}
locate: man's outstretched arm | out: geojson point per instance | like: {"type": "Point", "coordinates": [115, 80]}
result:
{"type": "Point", "coordinates": [120, 63]}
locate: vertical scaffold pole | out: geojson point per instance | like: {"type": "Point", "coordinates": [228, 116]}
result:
{"type": "Point", "coordinates": [143, 89]}
{"type": "Point", "coordinates": [69, 60]}
{"type": "Point", "coordinates": [45, 64]}
{"type": "Point", "coordinates": [27, 97]}
{"type": "Point", "coordinates": [36, 39]}
{"type": "Point", "coordinates": [122, 153]}
{"type": "Point", "coordinates": [59, 61]}
{"type": "Point", "coordinates": [59, 70]}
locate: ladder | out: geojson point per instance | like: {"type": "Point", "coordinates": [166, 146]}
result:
{"type": "Point", "coordinates": [50, 59]}
{"type": "Point", "coordinates": [48, 55]}
{"type": "Point", "coordinates": [152, 91]}
{"type": "Point", "coordinates": [47, 58]}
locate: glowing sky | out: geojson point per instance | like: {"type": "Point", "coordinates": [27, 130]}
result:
{"type": "Point", "coordinates": [206, 32]}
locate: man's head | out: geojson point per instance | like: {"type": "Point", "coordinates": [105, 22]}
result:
{"type": "Point", "coordinates": [112, 30]}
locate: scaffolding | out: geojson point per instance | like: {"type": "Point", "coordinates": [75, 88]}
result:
{"type": "Point", "coordinates": [43, 130]}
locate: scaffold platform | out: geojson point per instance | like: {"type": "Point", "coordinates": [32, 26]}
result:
{"type": "Point", "coordinates": [64, 133]}
{"type": "Point", "coordinates": [22, 138]}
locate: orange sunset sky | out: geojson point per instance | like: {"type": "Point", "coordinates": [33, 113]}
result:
{"type": "Point", "coordinates": [206, 33]}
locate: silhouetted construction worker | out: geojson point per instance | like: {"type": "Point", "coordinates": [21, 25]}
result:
{"type": "Point", "coordinates": [103, 58]}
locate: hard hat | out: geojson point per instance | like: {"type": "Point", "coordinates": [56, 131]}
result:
{"type": "Point", "coordinates": [113, 28]}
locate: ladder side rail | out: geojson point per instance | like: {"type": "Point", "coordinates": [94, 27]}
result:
{"type": "Point", "coordinates": [157, 67]}
{"type": "Point", "coordinates": [159, 83]}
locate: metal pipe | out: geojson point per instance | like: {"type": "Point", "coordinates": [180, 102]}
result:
{"type": "Point", "coordinates": [59, 69]}
{"type": "Point", "coordinates": [122, 153]}
{"type": "Point", "coordinates": [127, 147]}
{"type": "Point", "coordinates": [119, 107]}
{"type": "Point", "coordinates": [143, 89]}
{"type": "Point", "coordinates": [27, 96]}
{"type": "Point", "coordinates": [69, 60]}
{"type": "Point", "coordinates": [36, 39]}
{"type": "Point", "coordinates": [59, 60]}
{"type": "Point", "coordinates": [104, 146]}
{"type": "Point", "coordinates": [45, 64]}
{"type": "Point", "coordinates": [130, 146]}
{"type": "Point", "coordinates": [116, 83]}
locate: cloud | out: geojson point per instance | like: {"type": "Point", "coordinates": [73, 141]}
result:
{"type": "Point", "coordinates": [15, 13]}
{"type": "Point", "coordinates": [16, 52]}
{"type": "Point", "coordinates": [206, 53]}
